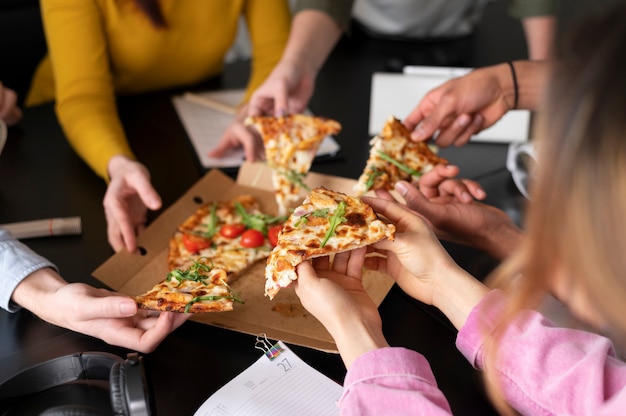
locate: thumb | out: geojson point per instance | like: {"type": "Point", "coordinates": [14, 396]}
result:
{"type": "Point", "coordinates": [415, 200]}
{"type": "Point", "coordinates": [146, 191]}
{"type": "Point", "coordinates": [110, 307]}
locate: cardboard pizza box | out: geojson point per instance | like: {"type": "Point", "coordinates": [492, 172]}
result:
{"type": "Point", "coordinates": [282, 318]}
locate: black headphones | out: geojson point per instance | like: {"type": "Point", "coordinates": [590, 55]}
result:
{"type": "Point", "coordinates": [76, 385]}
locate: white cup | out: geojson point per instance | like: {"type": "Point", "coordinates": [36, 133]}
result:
{"type": "Point", "coordinates": [519, 161]}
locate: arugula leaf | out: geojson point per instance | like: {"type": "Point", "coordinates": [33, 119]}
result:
{"type": "Point", "coordinates": [211, 226]}
{"type": "Point", "coordinates": [400, 166]}
{"type": "Point", "coordinates": [257, 221]}
{"type": "Point", "coordinates": [371, 177]}
{"type": "Point", "coordinates": [335, 220]}
{"type": "Point", "coordinates": [194, 272]}
{"type": "Point", "coordinates": [232, 295]}
{"type": "Point", "coordinates": [297, 178]}
{"type": "Point", "coordinates": [318, 213]}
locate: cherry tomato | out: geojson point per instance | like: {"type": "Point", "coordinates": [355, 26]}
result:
{"type": "Point", "coordinates": [252, 238]}
{"type": "Point", "coordinates": [272, 234]}
{"type": "Point", "coordinates": [232, 230]}
{"type": "Point", "coordinates": [194, 243]}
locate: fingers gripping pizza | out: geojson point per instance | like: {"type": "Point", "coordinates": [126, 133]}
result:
{"type": "Point", "coordinates": [395, 157]}
{"type": "Point", "coordinates": [291, 143]}
{"type": "Point", "coordinates": [327, 222]}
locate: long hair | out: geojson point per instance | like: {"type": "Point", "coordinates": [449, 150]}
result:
{"type": "Point", "coordinates": [576, 220]}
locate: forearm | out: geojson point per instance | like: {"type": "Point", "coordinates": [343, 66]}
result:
{"type": "Point", "coordinates": [540, 32]}
{"type": "Point", "coordinates": [33, 291]}
{"type": "Point", "coordinates": [313, 36]}
{"type": "Point", "coordinates": [354, 339]}
{"type": "Point", "coordinates": [503, 241]}
{"type": "Point", "coordinates": [457, 293]}
{"type": "Point", "coordinates": [531, 77]}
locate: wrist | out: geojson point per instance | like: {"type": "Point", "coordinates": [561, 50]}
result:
{"type": "Point", "coordinates": [508, 239]}
{"type": "Point", "coordinates": [356, 338]}
{"type": "Point", "coordinates": [456, 293]}
{"type": "Point", "coordinates": [529, 83]}
{"type": "Point", "coordinates": [32, 292]}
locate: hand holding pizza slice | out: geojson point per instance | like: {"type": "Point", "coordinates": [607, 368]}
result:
{"type": "Point", "coordinates": [327, 222]}
{"type": "Point", "coordinates": [395, 157]}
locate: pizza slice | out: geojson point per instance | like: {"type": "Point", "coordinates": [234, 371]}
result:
{"type": "Point", "coordinates": [199, 288]}
{"type": "Point", "coordinates": [291, 143]}
{"type": "Point", "coordinates": [395, 157]}
{"type": "Point", "coordinates": [327, 222]}
{"type": "Point", "coordinates": [233, 234]}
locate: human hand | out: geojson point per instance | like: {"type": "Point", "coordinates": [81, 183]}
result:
{"type": "Point", "coordinates": [415, 259]}
{"type": "Point", "coordinates": [112, 317]}
{"type": "Point", "coordinates": [126, 202]}
{"type": "Point", "coordinates": [440, 181]}
{"type": "Point", "coordinates": [287, 90]}
{"type": "Point", "coordinates": [237, 135]}
{"type": "Point", "coordinates": [9, 111]}
{"type": "Point", "coordinates": [472, 224]}
{"type": "Point", "coordinates": [421, 266]}
{"type": "Point", "coordinates": [463, 106]}
{"type": "Point", "coordinates": [334, 294]}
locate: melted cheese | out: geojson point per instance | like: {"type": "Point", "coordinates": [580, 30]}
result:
{"type": "Point", "coordinates": [396, 143]}
{"type": "Point", "coordinates": [302, 235]}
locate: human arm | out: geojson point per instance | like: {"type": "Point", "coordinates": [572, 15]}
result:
{"type": "Point", "coordinates": [419, 264]}
{"type": "Point", "coordinates": [538, 19]}
{"type": "Point", "coordinates": [540, 34]}
{"type": "Point", "coordinates": [96, 312]}
{"type": "Point", "coordinates": [9, 111]}
{"type": "Point", "coordinates": [290, 86]}
{"type": "Point", "coordinates": [86, 107]}
{"type": "Point", "coordinates": [470, 223]}
{"type": "Point", "coordinates": [30, 281]}
{"type": "Point", "coordinates": [268, 43]}
{"type": "Point", "coordinates": [545, 369]}
{"type": "Point", "coordinates": [466, 105]}
{"type": "Point", "coordinates": [380, 379]}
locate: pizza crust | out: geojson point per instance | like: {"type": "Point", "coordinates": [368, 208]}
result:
{"type": "Point", "coordinates": [305, 234]}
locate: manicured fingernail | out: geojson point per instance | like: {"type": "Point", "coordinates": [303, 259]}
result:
{"type": "Point", "coordinates": [281, 113]}
{"type": "Point", "coordinates": [463, 120]}
{"type": "Point", "coordinates": [466, 197]}
{"type": "Point", "coordinates": [480, 194]}
{"type": "Point", "coordinates": [402, 188]}
{"type": "Point", "coordinates": [128, 307]}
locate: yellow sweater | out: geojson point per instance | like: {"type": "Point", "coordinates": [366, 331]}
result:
{"type": "Point", "coordinates": [100, 48]}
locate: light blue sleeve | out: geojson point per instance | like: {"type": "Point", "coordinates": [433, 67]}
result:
{"type": "Point", "coordinates": [17, 261]}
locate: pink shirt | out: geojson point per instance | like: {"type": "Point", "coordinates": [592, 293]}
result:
{"type": "Point", "coordinates": [545, 370]}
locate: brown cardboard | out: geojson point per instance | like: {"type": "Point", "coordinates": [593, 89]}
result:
{"type": "Point", "coordinates": [283, 317]}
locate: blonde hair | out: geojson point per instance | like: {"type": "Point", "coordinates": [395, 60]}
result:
{"type": "Point", "coordinates": [578, 198]}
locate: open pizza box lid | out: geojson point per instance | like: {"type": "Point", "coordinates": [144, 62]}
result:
{"type": "Point", "coordinates": [282, 318]}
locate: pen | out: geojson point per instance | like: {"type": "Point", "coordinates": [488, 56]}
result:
{"type": "Point", "coordinates": [44, 228]}
{"type": "Point", "coordinates": [210, 103]}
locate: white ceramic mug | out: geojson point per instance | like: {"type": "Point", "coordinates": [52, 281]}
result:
{"type": "Point", "coordinates": [519, 161]}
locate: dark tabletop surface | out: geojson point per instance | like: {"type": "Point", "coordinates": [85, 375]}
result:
{"type": "Point", "coordinates": [41, 177]}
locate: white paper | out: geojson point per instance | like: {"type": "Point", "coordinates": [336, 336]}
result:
{"type": "Point", "coordinates": [205, 127]}
{"type": "Point", "coordinates": [284, 386]}
{"type": "Point", "coordinates": [397, 95]}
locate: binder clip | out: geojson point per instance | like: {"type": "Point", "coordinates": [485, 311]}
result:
{"type": "Point", "coordinates": [263, 344]}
